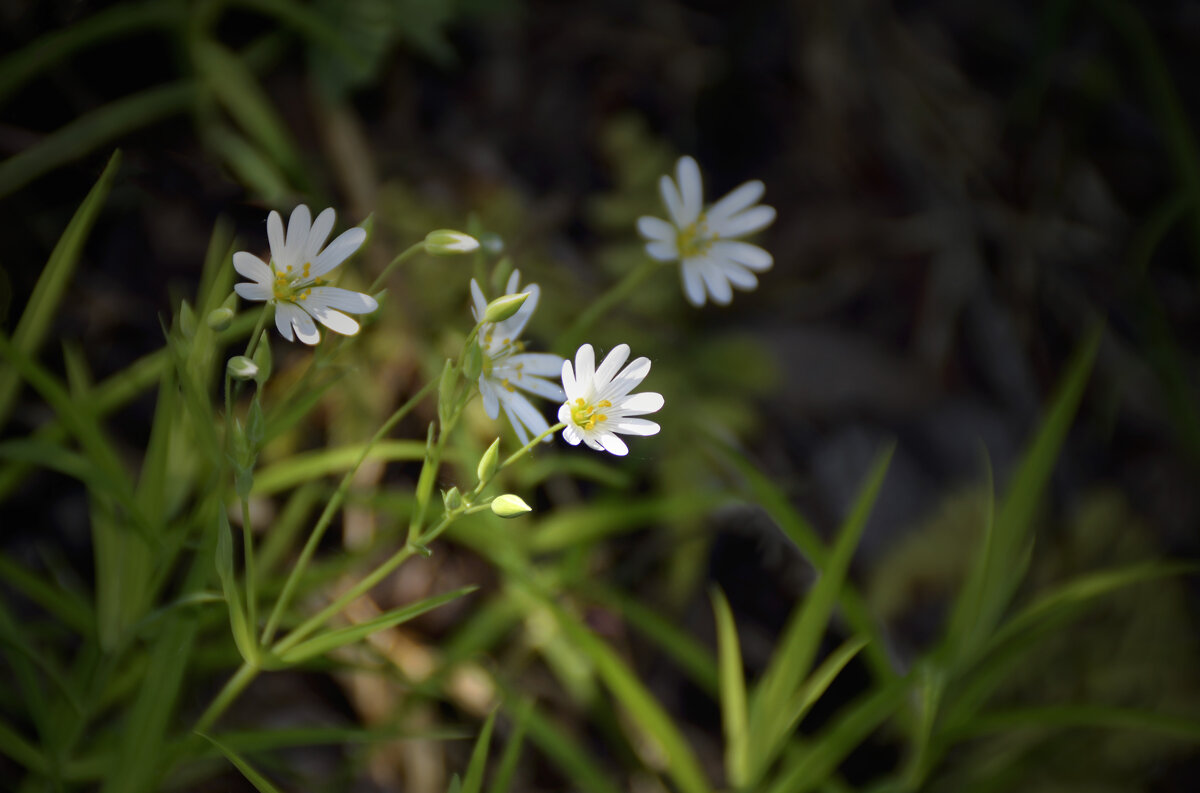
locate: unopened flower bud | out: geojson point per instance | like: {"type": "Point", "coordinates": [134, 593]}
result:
{"type": "Point", "coordinates": [187, 320]}
{"type": "Point", "coordinates": [472, 360]}
{"type": "Point", "coordinates": [509, 506]}
{"type": "Point", "coordinates": [504, 307]}
{"type": "Point", "coordinates": [219, 318]}
{"type": "Point", "coordinates": [487, 463]}
{"type": "Point", "coordinates": [452, 499]}
{"type": "Point", "coordinates": [262, 358]}
{"type": "Point", "coordinates": [447, 242]}
{"type": "Point", "coordinates": [241, 368]}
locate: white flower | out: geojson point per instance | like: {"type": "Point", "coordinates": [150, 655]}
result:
{"type": "Point", "coordinates": [293, 281]}
{"type": "Point", "coordinates": [705, 242]}
{"type": "Point", "coordinates": [507, 367]}
{"type": "Point", "coordinates": [599, 404]}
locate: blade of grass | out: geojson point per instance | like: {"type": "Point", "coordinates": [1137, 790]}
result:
{"type": "Point", "coordinates": [20, 750]}
{"type": "Point", "coordinates": [568, 528]}
{"type": "Point", "coordinates": [43, 303]}
{"type": "Point", "coordinates": [769, 710]}
{"type": "Point", "coordinates": [1183, 728]}
{"type": "Point", "coordinates": [733, 693]}
{"type": "Point", "coordinates": [260, 782]}
{"type": "Point", "coordinates": [243, 634]}
{"type": "Point", "coordinates": [473, 781]}
{"type": "Point", "coordinates": [306, 466]}
{"type": "Point", "coordinates": [64, 605]}
{"type": "Point", "coordinates": [332, 640]}
{"type": "Point", "coordinates": [503, 776]}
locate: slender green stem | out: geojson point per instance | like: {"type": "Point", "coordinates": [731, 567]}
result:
{"type": "Point", "coordinates": [252, 344]}
{"type": "Point", "coordinates": [234, 686]}
{"type": "Point", "coordinates": [331, 508]}
{"type": "Point", "coordinates": [404, 256]}
{"type": "Point", "coordinates": [602, 305]}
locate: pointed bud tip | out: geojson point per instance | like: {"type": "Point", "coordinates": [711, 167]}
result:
{"type": "Point", "coordinates": [448, 242]}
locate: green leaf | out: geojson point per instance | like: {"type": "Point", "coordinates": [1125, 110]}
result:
{"type": "Point", "coordinates": [473, 782]}
{"type": "Point", "coordinates": [243, 636]}
{"type": "Point", "coordinates": [645, 711]}
{"type": "Point", "coordinates": [260, 782]}
{"type": "Point", "coordinates": [306, 466]}
{"type": "Point", "coordinates": [772, 705]}
{"type": "Point", "coordinates": [568, 528]}
{"type": "Point", "coordinates": [67, 606]}
{"type": "Point", "coordinates": [332, 640]}
{"type": "Point", "coordinates": [733, 693]}
{"type": "Point", "coordinates": [93, 130]}
{"type": "Point", "coordinates": [821, 678]}
{"type": "Point", "coordinates": [1174, 726]}
{"type": "Point", "coordinates": [20, 750]}
{"type": "Point", "coordinates": [503, 776]}
{"type": "Point", "coordinates": [52, 283]}
{"type": "Point", "coordinates": [1005, 554]}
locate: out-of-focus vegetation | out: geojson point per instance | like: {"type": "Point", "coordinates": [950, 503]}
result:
{"type": "Point", "coordinates": [921, 512]}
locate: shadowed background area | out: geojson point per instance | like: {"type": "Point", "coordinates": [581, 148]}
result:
{"type": "Point", "coordinates": [966, 194]}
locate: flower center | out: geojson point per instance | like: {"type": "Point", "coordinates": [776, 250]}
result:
{"type": "Point", "coordinates": [585, 415]}
{"type": "Point", "coordinates": [695, 239]}
{"type": "Point", "coordinates": [291, 285]}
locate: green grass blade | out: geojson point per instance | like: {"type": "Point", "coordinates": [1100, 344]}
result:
{"type": "Point", "coordinates": [691, 656]}
{"type": "Point", "coordinates": [1183, 728]}
{"type": "Point", "coordinates": [765, 493]}
{"type": "Point", "coordinates": [260, 782]}
{"type": "Point", "coordinates": [979, 610]}
{"type": "Point", "coordinates": [507, 769]}
{"type": "Point", "coordinates": [820, 680]}
{"type": "Point", "coordinates": [733, 693]}
{"type": "Point", "coordinates": [64, 605]}
{"type": "Point", "coordinates": [93, 130]}
{"type": "Point", "coordinates": [568, 528]}
{"type": "Point", "coordinates": [50, 48]}
{"type": "Point", "coordinates": [473, 781]}
{"type": "Point", "coordinates": [645, 711]}
{"type": "Point", "coordinates": [811, 767]}
{"type": "Point", "coordinates": [313, 26]}
{"type": "Point", "coordinates": [20, 750]}
{"type": "Point", "coordinates": [243, 636]}
{"type": "Point", "coordinates": [43, 303]}
{"type": "Point", "coordinates": [332, 640]}
{"type": "Point", "coordinates": [306, 466]}
{"type": "Point", "coordinates": [770, 716]}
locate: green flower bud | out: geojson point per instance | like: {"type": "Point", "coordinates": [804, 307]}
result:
{"type": "Point", "coordinates": [504, 307]}
{"type": "Point", "coordinates": [219, 318]}
{"type": "Point", "coordinates": [509, 506]}
{"type": "Point", "coordinates": [187, 320]}
{"type": "Point", "coordinates": [487, 463]}
{"type": "Point", "coordinates": [241, 368]}
{"type": "Point", "coordinates": [447, 242]}
{"type": "Point", "coordinates": [452, 499]}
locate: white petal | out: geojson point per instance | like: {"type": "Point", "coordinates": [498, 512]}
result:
{"type": "Point", "coordinates": [275, 238]}
{"type": "Point", "coordinates": [743, 197]}
{"type": "Point", "coordinates": [330, 318]}
{"type": "Point", "coordinates": [568, 381]}
{"type": "Point", "coordinates": [738, 275]}
{"type": "Point", "coordinates": [570, 434]}
{"type": "Point", "coordinates": [751, 256]}
{"type": "Point", "coordinates": [615, 359]}
{"type": "Point", "coordinates": [341, 299]}
{"type": "Point", "coordinates": [514, 278]}
{"type": "Point", "coordinates": [306, 329]}
{"type": "Point", "coordinates": [543, 364]}
{"type": "Point", "coordinates": [250, 266]}
{"type": "Point", "coordinates": [715, 282]}
{"type": "Point", "coordinates": [253, 291]}
{"type": "Point", "coordinates": [653, 228]}
{"type": "Point", "coordinates": [478, 299]}
{"type": "Point", "coordinates": [690, 190]}
{"type": "Point", "coordinates": [639, 404]}
{"type": "Point", "coordinates": [283, 319]}
{"type": "Point", "coordinates": [317, 235]}
{"type": "Point", "coordinates": [585, 366]}
{"type": "Point", "coordinates": [590, 440]}
{"type": "Point", "coordinates": [748, 222]}
{"type": "Point", "coordinates": [626, 381]}
{"type": "Point", "coordinates": [693, 282]}
{"type": "Point", "coordinates": [564, 415]}
{"type": "Point", "coordinates": [635, 427]}
{"type": "Point", "coordinates": [297, 234]}
{"type": "Point", "coordinates": [662, 251]}
{"type": "Point", "coordinates": [491, 403]}
{"type": "Point", "coordinates": [515, 423]}
{"type": "Point", "coordinates": [338, 251]}
{"type": "Point", "coordinates": [613, 445]}
{"type": "Point", "coordinates": [670, 196]}
{"type": "Point", "coordinates": [515, 403]}
{"type": "Point", "coordinates": [540, 387]}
